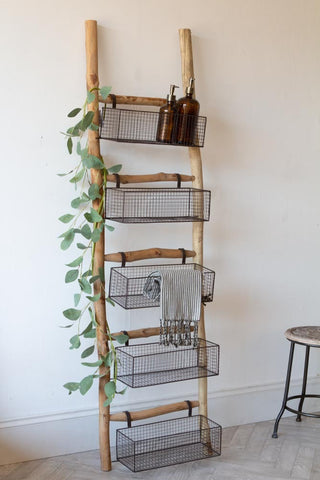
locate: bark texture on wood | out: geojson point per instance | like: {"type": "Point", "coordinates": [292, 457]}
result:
{"type": "Point", "coordinates": [131, 100]}
{"type": "Point", "coordinates": [153, 412]}
{"type": "Point", "coordinates": [135, 255]}
{"type": "Point", "coordinates": [155, 177]}
{"type": "Point", "coordinates": [196, 171]}
{"type": "Point", "coordinates": [100, 307]}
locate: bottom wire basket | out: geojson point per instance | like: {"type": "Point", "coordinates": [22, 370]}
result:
{"type": "Point", "coordinates": [169, 442]}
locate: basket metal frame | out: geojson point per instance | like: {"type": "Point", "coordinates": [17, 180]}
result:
{"type": "Point", "coordinates": [140, 126]}
{"type": "Point", "coordinates": [174, 363]}
{"type": "Point", "coordinates": [128, 283]}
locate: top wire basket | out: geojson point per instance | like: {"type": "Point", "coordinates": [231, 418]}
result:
{"type": "Point", "coordinates": [136, 126]}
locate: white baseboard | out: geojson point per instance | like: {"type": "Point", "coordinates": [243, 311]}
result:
{"type": "Point", "coordinates": [61, 433]}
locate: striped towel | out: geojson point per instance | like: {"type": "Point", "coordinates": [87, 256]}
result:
{"type": "Point", "coordinates": [180, 303]}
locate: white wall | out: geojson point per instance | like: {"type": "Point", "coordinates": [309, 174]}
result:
{"type": "Point", "coordinates": [258, 75]}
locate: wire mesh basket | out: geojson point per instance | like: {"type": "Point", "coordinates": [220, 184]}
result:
{"type": "Point", "coordinates": [147, 364]}
{"type": "Point", "coordinates": [126, 286]}
{"type": "Point", "coordinates": [157, 205]}
{"type": "Point", "coordinates": [168, 442]}
{"type": "Point", "coordinates": [136, 126]}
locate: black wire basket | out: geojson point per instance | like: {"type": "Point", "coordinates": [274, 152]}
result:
{"type": "Point", "coordinates": [168, 442]}
{"type": "Point", "coordinates": [127, 284]}
{"type": "Point", "coordinates": [157, 205]}
{"type": "Point", "coordinates": [147, 364]}
{"type": "Point", "coordinates": [136, 126]}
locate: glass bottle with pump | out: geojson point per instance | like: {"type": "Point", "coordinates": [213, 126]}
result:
{"type": "Point", "coordinates": [167, 118]}
{"type": "Point", "coordinates": [187, 109]}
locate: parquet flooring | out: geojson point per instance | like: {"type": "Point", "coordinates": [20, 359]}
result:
{"type": "Point", "coordinates": [248, 453]}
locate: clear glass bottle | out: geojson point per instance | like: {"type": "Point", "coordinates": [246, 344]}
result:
{"type": "Point", "coordinates": [167, 118]}
{"type": "Point", "coordinates": [187, 109]}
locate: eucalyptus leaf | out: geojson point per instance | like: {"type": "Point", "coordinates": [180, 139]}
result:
{"type": "Point", "coordinates": [101, 274]}
{"type": "Point", "coordinates": [93, 127]}
{"type": "Point", "coordinates": [85, 285]}
{"type": "Point", "coordinates": [93, 364]}
{"type": "Point", "coordinates": [122, 392]}
{"type": "Point", "coordinates": [88, 217]}
{"type": "Point", "coordinates": [108, 359]}
{"type": "Point", "coordinates": [107, 402]}
{"type": "Point", "coordinates": [109, 227]}
{"type": "Point", "coordinates": [72, 314]}
{"type": "Point", "coordinates": [95, 235]}
{"type": "Point", "coordinates": [110, 389]}
{"type": "Point", "coordinates": [91, 334]}
{"type": "Point", "coordinates": [94, 278]}
{"type": "Point", "coordinates": [75, 262]}
{"type": "Point", "coordinates": [65, 234]}
{"type": "Point", "coordinates": [90, 97]}
{"type": "Point", "coordinates": [92, 316]}
{"type": "Point", "coordinates": [95, 215]}
{"type": "Point", "coordinates": [87, 329]}
{"type": "Point", "coordinates": [79, 148]}
{"type": "Point", "coordinates": [74, 112]}
{"type": "Point", "coordinates": [122, 339]}
{"type": "Point", "coordinates": [87, 119]}
{"type": "Point", "coordinates": [86, 384]}
{"type": "Point", "coordinates": [67, 241]}
{"type": "Point", "coordinates": [76, 297]}
{"type": "Point", "coordinates": [71, 276]}
{"type": "Point", "coordinates": [91, 161]}
{"type": "Point", "coordinates": [75, 342]}
{"type": "Point", "coordinates": [114, 169]}
{"type": "Point", "coordinates": [64, 174]}
{"type": "Point", "coordinates": [71, 386]}
{"type": "Point", "coordinates": [104, 92]}
{"type": "Point", "coordinates": [66, 326]}
{"type": "Point", "coordinates": [81, 246]}
{"type": "Point", "coordinates": [66, 218]}
{"type": "Point", "coordinates": [94, 191]}
{"type": "Point", "coordinates": [95, 298]}
{"type": "Point", "coordinates": [87, 352]}
{"type": "Point", "coordinates": [69, 145]}
{"type": "Point", "coordinates": [87, 273]}
{"type": "Point", "coordinates": [110, 301]}
{"type": "Point", "coordinates": [78, 176]}
{"type": "Point", "coordinates": [86, 231]}
{"type": "Point", "coordinates": [76, 202]}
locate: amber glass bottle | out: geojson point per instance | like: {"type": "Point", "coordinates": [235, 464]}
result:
{"type": "Point", "coordinates": [167, 118]}
{"type": "Point", "coordinates": [187, 109]}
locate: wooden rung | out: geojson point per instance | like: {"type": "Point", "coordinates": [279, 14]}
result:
{"type": "Point", "coordinates": [148, 253]}
{"type": "Point", "coordinates": [143, 332]}
{"type": "Point", "coordinates": [153, 412]}
{"type": "Point", "coordinates": [154, 177]}
{"type": "Point", "coordinates": [131, 100]}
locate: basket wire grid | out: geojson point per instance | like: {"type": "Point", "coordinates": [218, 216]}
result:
{"type": "Point", "coordinates": [157, 205]}
{"type": "Point", "coordinates": [136, 126]}
{"type": "Point", "coordinates": [149, 364]}
{"type": "Point", "coordinates": [168, 442]}
{"type": "Point", "coordinates": [126, 284]}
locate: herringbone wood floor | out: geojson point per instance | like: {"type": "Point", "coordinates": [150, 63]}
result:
{"type": "Point", "coordinates": [248, 453]}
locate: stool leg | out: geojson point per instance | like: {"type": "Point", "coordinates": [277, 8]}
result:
{"type": "Point", "coordinates": [286, 391]}
{"type": "Point", "coordinates": [304, 385]}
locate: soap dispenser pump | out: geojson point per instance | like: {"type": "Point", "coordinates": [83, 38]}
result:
{"type": "Point", "coordinates": [167, 117]}
{"type": "Point", "coordinates": [187, 111]}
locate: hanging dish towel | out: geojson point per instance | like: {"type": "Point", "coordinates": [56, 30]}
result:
{"type": "Point", "coordinates": [180, 303]}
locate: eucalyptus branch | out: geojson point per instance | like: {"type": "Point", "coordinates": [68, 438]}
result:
{"type": "Point", "coordinates": [88, 223]}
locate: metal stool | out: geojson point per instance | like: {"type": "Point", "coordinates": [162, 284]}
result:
{"type": "Point", "coordinates": [308, 337]}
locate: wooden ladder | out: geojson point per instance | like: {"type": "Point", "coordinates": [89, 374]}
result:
{"type": "Point", "coordinates": [100, 257]}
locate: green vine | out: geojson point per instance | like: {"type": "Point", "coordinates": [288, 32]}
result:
{"type": "Point", "coordinates": [88, 223]}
